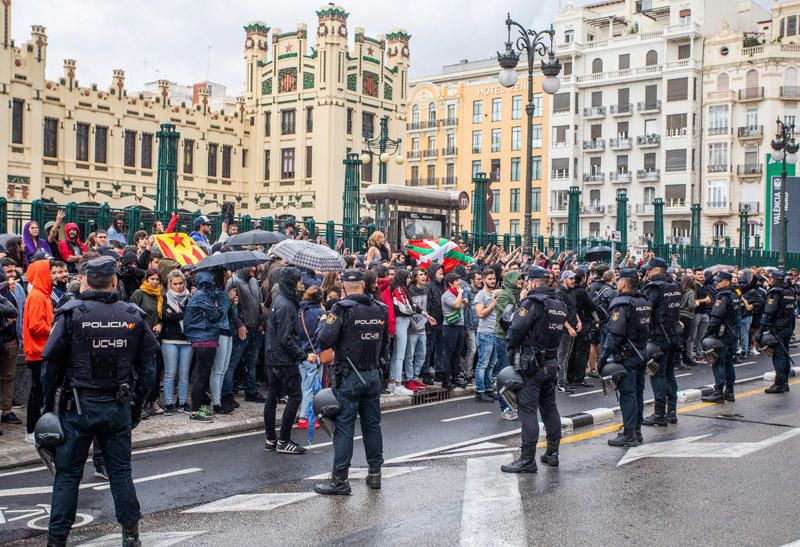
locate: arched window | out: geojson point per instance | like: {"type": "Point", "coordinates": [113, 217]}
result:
{"type": "Point", "coordinates": [594, 198]}
{"type": "Point", "coordinates": [751, 79]}
{"type": "Point", "coordinates": [651, 58]}
{"type": "Point", "coordinates": [432, 113]}
{"type": "Point", "coordinates": [790, 77]}
{"type": "Point", "coordinates": [415, 114]}
{"type": "Point", "coordinates": [723, 82]}
{"type": "Point", "coordinates": [597, 66]}
{"type": "Point", "coordinates": [720, 229]}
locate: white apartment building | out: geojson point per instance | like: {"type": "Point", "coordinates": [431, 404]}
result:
{"type": "Point", "coordinates": [627, 116]}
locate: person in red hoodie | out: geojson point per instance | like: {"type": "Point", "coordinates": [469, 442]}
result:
{"type": "Point", "coordinates": [385, 290]}
{"type": "Point", "coordinates": [37, 319]}
{"type": "Point", "coordinates": [71, 248]}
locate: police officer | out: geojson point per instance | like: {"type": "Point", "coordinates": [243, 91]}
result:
{"type": "Point", "coordinates": [722, 325]}
{"type": "Point", "coordinates": [664, 295]}
{"type": "Point", "coordinates": [97, 347]}
{"type": "Point", "coordinates": [779, 319]}
{"type": "Point", "coordinates": [628, 331]}
{"type": "Point", "coordinates": [533, 337]}
{"type": "Point", "coordinates": [357, 330]}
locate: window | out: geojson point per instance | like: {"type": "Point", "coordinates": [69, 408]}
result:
{"type": "Point", "coordinates": [650, 161]}
{"type": "Point", "coordinates": [513, 201]}
{"type": "Point", "coordinates": [651, 58]}
{"type": "Point", "coordinates": [100, 144]}
{"type": "Point", "coordinates": [477, 111]}
{"type": "Point", "coordinates": [244, 158]}
{"type": "Point", "coordinates": [561, 102]}
{"type": "Point", "coordinates": [266, 164]}
{"type": "Point", "coordinates": [675, 195]}
{"type": "Point", "coordinates": [536, 136]}
{"type": "Point", "coordinates": [451, 141]}
{"type": "Point", "coordinates": [751, 156]}
{"type": "Point", "coordinates": [622, 130]}
{"type": "Point", "coordinates": [213, 152]}
{"type": "Point", "coordinates": [431, 114]}
{"type": "Point", "coordinates": [597, 66]}
{"type": "Point", "coordinates": [596, 165]}
{"type": "Point", "coordinates": [287, 122]}
{"type": "Point", "coordinates": [594, 197]}
{"type": "Point", "coordinates": [569, 36]}
{"type": "Point", "coordinates": [17, 107]}
{"type": "Point", "coordinates": [718, 119]}
{"type": "Point", "coordinates": [718, 156]}
{"type": "Point", "coordinates": [623, 99]}
{"type": "Point", "coordinates": [496, 134]}
{"type": "Point", "coordinates": [50, 149]}
{"type": "Point", "coordinates": [567, 70]}
{"type": "Point", "coordinates": [648, 195]}
{"type": "Point", "coordinates": [476, 167]}
{"type": "Point", "coordinates": [684, 51]}
{"type": "Point", "coordinates": [594, 229]}
{"type": "Point", "coordinates": [267, 124]}
{"type": "Point", "coordinates": [516, 165]}
{"type": "Point", "coordinates": [188, 156]}
{"type": "Point", "coordinates": [431, 143]}
{"type": "Point", "coordinates": [130, 148]}
{"type": "Point", "coordinates": [514, 227]}
{"type": "Point", "coordinates": [560, 168]}
{"type": "Point", "coordinates": [559, 200]}
{"type": "Point", "coordinates": [516, 138]}
{"type": "Point", "coordinates": [495, 201]}
{"type": "Point", "coordinates": [560, 134]}
{"type": "Point", "coordinates": [720, 229]}
{"type": "Point", "coordinates": [82, 142]}
{"type": "Point", "coordinates": [147, 151]}
{"type": "Point", "coordinates": [537, 104]}
{"type": "Point", "coordinates": [751, 118]}
{"type": "Point", "coordinates": [287, 163]}
{"type": "Point", "coordinates": [622, 164]}
{"type": "Point", "coordinates": [596, 131]}
{"type": "Point", "coordinates": [536, 167]}
{"type": "Point", "coordinates": [675, 160]}
{"type": "Point", "coordinates": [415, 144]}
{"type": "Point", "coordinates": [676, 125]}
{"type": "Point", "coordinates": [309, 162]}
{"type": "Point", "coordinates": [790, 77]}
{"type": "Point", "coordinates": [450, 173]}
{"type": "Point", "coordinates": [496, 228]}
{"type": "Point", "coordinates": [678, 89]}
{"type": "Point", "coordinates": [415, 175]}
{"type": "Point", "coordinates": [366, 171]}
{"type": "Point", "coordinates": [536, 200]}
{"type": "Point", "coordinates": [415, 115]}
{"type": "Point", "coordinates": [497, 110]}
{"type": "Point", "coordinates": [597, 98]}
{"type": "Point", "coordinates": [625, 61]}
{"type": "Point", "coordinates": [791, 25]}
{"type": "Point", "coordinates": [309, 119]}
{"type": "Point", "coordinates": [516, 107]}
{"type": "Point", "coordinates": [226, 161]}
{"type": "Point", "coordinates": [494, 169]}
{"type": "Point", "coordinates": [536, 227]}
{"type": "Point", "coordinates": [751, 79]}
{"type": "Point", "coordinates": [367, 125]}
{"type": "Point", "coordinates": [349, 121]}
{"type": "Point", "coordinates": [476, 142]}
{"type": "Point", "coordinates": [451, 113]}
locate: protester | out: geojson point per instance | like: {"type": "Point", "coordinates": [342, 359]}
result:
{"type": "Point", "coordinates": [310, 371]}
{"type": "Point", "coordinates": [37, 320]}
{"type": "Point", "coordinates": [176, 350]}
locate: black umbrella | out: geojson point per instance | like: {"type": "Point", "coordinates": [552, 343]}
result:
{"type": "Point", "coordinates": [232, 260]}
{"type": "Point", "coordinates": [593, 254]}
{"type": "Point", "coordinates": [255, 237]}
{"type": "Point", "coordinates": [5, 237]}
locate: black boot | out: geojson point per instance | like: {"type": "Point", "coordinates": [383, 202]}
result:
{"type": "Point", "coordinates": [550, 457]}
{"type": "Point", "coordinates": [786, 386]}
{"type": "Point", "coordinates": [638, 433]}
{"type": "Point", "coordinates": [728, 395]}
{"type": "Point", "coordinates": [525, 464]}
{"type": "Point", "coordinates": [672, 414]}
{"type": "Point", "coordinates": [776, 387]}
{"type": "Point", "coordinates": [374, 478]}
{"type": "Point", "coordinates": [130, 535]}
{"type": "Point", "coordinates": [626, 438]}
{"type": "Point", "coordinates": [56, 541]}
{"type": "Point", "coordinates": [336, 486]}
{"type": "Point", "coordinates": [716, 397]}
{"type": "Point", "coordinates": [657, 418]}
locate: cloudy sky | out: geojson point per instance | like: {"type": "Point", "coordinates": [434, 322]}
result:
{"type": "Point", "coordinates": [153, 39]}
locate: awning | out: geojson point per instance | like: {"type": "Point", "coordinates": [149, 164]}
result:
{"type": "Point", "coordinates": [416, 197]}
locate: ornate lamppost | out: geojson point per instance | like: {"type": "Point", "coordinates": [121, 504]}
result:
{"type": "Point", "coordinates": [383, 147]}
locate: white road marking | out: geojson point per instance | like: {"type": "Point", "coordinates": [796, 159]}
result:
{"type": "Point", "coordinates": [447, 420]}
{"type": "Point", "coordinates": [586, 393]}
{"type": "Point", "coordinates": [463, 454]}
{"type": "Point", "coordinates": [251, 502]}
{"type": "Point", "coordinates": [329, 443]}
{"type": "Point", "coordinates": [445, 448]}
{"type": "Point", "coordinates": [486, 486]}
{"type": "Point", "coordinates": [479, 446]}
{"type": "Point", "coordinates": [361, 473]}
{"type": "Point", "coordinates": [682, 375]}
{"type": "Point", "coordinates": [107, 485]}
{"type": "Point", "coordinates": [744, 364]}
{"type": "Point", "coordinates": [151, 539]}
{"type": "Point", "coordinates": [21, 471]}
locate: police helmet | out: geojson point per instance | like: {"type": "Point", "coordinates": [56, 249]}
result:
{"type": "Point", "coordinates": [767, 343]}
{"type": "Point", "coordinates": [652, 357]}
{"type": "Point", "coordinates": [613, 373]}
{"type": "Point", "coordinates": [327, 407]}
{"type": "Point", "coordinates": [47, 435]}
{"type": "Point", "coordinates": [711, 347]}
{"type": "Point", "coordinates": [509, 382]}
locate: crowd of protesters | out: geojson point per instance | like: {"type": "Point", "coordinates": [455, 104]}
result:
{"type": "Point", "coordinates": [226, 333]}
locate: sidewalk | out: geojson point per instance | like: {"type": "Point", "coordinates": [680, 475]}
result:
{"type": "Point", "coordinates": [159, 430]}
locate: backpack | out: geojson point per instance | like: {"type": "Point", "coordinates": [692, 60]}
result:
{"type": "Point", "coordinates": [601, 300]}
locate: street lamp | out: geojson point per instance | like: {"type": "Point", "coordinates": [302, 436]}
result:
{"type": "Point", "coordinates": [785, 150]}
{"type": "Point", "coordinates": [384, 148]}
{"type": "Point", "coordinates": [531, 42]}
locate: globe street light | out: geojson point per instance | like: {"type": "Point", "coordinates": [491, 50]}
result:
{"type": "Point", "coordinates": [785, 150]}
{"type": "Point", "coordinates": [383, 147]}
{"type": "Point", "coordinates": [531, 42]}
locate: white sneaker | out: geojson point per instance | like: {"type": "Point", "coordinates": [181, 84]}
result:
{"type": "Point", "coordinates": [390, 387]}
{"type": "Point", "coordinates": [29, 438]}
{"type": "Point", "coordinates": [510, 415]}
{"type": "Point", "coordinates": [754, 351]}
{"type": "Point", "coordinates": [402, 390]}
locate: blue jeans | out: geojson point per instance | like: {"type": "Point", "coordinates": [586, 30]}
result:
{"type": "Point", "coordinates": [221, 361]}
{"type": "Point", "coordinates": [744, 333]}
{"type": "Point", "coordinates": [177, 360]}
{"type": "Point", "coordinates": [415, 354]}
{"type": "Point", "coordinates": [249, 349]}
{"type": "Point", "coordinates": [501, 351]}
{"type": "Point", "coordinates": [399, 351]}
{"type": "Point", "coordinates": [308, 372]}
{"type": "Point", "coordinates": [487, 360]}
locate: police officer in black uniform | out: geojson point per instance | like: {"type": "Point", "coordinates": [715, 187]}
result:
{"type": "Point", "coordinates": [357, 329]}
{"type": "Point", "coordinates": [779, 319]}
{"type": "Point", "coordinates": [533, 337]}
{"type": "Point", "coordinates": [664, 295]}
{"type": "Point", "coordinates": [100, 352]}
{"type": "Point", "coordinates": [722, 325]}
{"type": "Point", "coordinates": [628, 331]}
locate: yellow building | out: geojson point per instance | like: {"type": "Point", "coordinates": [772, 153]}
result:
{"type": "Point", "coordinates": [463, 121]}
{"type": "Point", "coordinates": [278, 152]}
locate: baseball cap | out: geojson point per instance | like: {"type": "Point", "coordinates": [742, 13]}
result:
{"type": "Point", "coordinates": [199, 221]}
{"type": "Point", "coordinates": [567, 274]}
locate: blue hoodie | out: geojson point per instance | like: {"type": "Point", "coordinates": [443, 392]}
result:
{"type": "Point", "coordinates": [204, 312]}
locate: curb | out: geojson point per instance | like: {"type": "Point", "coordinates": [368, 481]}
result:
{"type": "Point", "coordinates": [770, 376]}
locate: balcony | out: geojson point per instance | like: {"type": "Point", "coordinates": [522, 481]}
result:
{"type": "Point", "coordinates": [726, 96]}
{"type": "Point", "coordinates": [675, 207]}
{"type": "Point", "coordinates": [790, 92]}
{"type": "Point", "coordinates": [750, 132]}
{"type": "Point", "coordinates": [677, 132]}
{"type": "Point", "coordinates": [719, 130]}
{"type": "Point", "coordinates": [648, 175]}
{"type": "Point", "coordinates": [619, 177]}
{"type": "Point", "coordinates": [620, 143]}
{"type": "Point", "coordinates": [751, 94]}
{"type": "Point", "coordinates": [594, 112]}
{"type": "Point", "coordinates": [594, 145]}
{"type": "Point", "coordinates": [644, 208]}
{"type": "Point", "coordinates": [414, 154]}
{"type": "Point", "coordinates": [593, 210]}
{"type": "Point", "coordinates": [449, 181]}
{"type": "Point", "coordinates": [558, 209]}
{"type": "Point", "coordinates": [430, 153]}
{"type": "Point", "coordinates": [749, 169]}
{"type": "Point", "coordinates": [750, 207]}
{"type": "Point", "coordinates": [449, 151]}
{"type": "Point", "coordinates": [561, 144]}
{"type": "Point", "coordinates": [717, 168]}
{"type": "Point", "coordinates": [597, 178]}
{"type": "Point", "coordinates": [624, 109]}
{"type": "Point", "coordinates": [412, 182]}
{"type": "Point", "coordinates": [424, 124]}
{"type": "Point", "coordinates": [648, 106]}
{"type": "Point", "coordinates": [428, 181]}
{"type": "Point", "coordinates": [717, 207]}
{"type": "Point", "coordinates": [646, 141]}
{"type": "Point", "coordinates": [450, 122]}
{"type": "Point", "coordinates": [560, 175]}
{"type": "Point", "coordinates": [678, 240]}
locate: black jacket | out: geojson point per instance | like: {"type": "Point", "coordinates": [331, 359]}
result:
{"type": "Point", "coordinates": [283, 342]}
{"type": "Point", "coordinates": [435, 291]}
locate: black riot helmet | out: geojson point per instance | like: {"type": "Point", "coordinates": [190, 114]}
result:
{"type": "Point", "coordinates": [327, 407]}
{"type": "Point", "coordinates": [711, 347]}
{"type": "Point", "coordinates": [767, 343]}
{"type": "Point", "coordinates": [509, 381]}
{"type": "Point", "coordinates": [652, 357]}
{"type": "Point", "coordinates": [47, 435]}
{"type": "Point", "coordinates": [612, 375]}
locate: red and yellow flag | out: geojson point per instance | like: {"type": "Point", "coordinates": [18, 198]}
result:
{"type": "Point", "coordinates": [180, 247]}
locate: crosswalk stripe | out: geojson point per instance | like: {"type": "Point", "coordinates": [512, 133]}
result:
{"type": "Point", "coordinates": [251, 502]}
